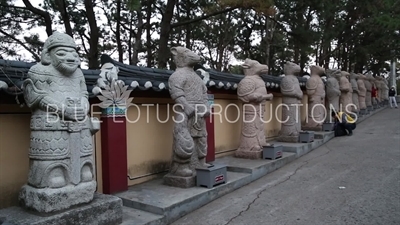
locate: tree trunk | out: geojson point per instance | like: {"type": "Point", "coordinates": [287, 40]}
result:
{"type": "Point", "coordinates": [148, 33]}
{"type": "Point", "coordinates": [118, 32]}
{"type": "Point", "coordinates": [93, 55]}
{"type": "Point", "coordinates": [163, 52]}
{"type": "Point", "coordinates": [62, 7]}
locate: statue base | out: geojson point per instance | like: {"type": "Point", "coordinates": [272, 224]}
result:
{"type": "Point", "coordinates": [318, 128]}
{"type": "Point", "coordinates": [182, 182]}
{"type": "Point", "coordinates": [370, 108]}
{"type": "Point", "coordinates": [103, 210]}
{"type": "Point", "coordinates": [46, 200]}
{"type": "Point", "coordinates": [290, 139]}
{"type": "Point", "coordinates": [249, 154]}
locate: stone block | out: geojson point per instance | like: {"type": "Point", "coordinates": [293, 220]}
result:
{"type": "Point", "coordinates": [211, 176]}
{"type": "Point", "coordinates": [103, 210]}
{"type": "Point", "coordinates": [249, 154]}
{"type": "Point", "coordinates": [327, 126]}
{"type": "Point", "coordinates": [306, 136]}
{"type": "Point", "coordinates": [274, 151]}
{"type": "Point", "coordinates": [290, 139]}
{"type": "Point", "coordinates": [54, 199]}
{"type": "Point", "coordinates": [182, 182]}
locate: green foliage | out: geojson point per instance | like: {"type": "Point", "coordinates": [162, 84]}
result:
{"type": "Point", "coordinates": [133, 5]}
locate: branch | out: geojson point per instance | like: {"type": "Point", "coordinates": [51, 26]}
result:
{"type": "Point", "coordinates": [36, 56]}
{"type": "Point", "coordinates": [175, 25]}
{"type": "Point", "coordinates": [44, 14]}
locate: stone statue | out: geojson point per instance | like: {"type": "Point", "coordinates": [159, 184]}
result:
{"type": "Point", "coordinates": [354, 85]}
{"type": "Point", "coordinates": [316, 99]}
{"type": "Point", "coordinates": [189, 135]}
{"type": "Point", "coordinates": [362, 92]}
{"type": "Point", "coordinates": [253, 93]}
{"type": "Point", "coordinates": [379, 84]}
{"type": "Point", "coordinates": [61, 172]}
{"type": "Point", "coordinates": [385, 90]}
{"type": "Point", "coordinates": [368, 96]}
{"type": "Point", "coordinates": [333, 90]}
{"type": "Point", "coordinates": [346, 95]}
{"type": "Point", "coordinates": [291, 100]}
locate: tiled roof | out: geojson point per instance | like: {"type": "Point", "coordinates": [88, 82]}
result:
{"type": "Point", "coordinates": [144, 78]}
{"type": "Point", "coordinates": [12, 74]}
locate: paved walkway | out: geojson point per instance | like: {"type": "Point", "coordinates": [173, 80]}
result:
{"type": "Point", "coordinates": [349, 180]}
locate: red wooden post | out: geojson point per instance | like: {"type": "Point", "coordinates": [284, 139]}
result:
{"type": "Point", "coordinates": [114, 150]}
{"type": "Point", "coordinates": [210, 132]}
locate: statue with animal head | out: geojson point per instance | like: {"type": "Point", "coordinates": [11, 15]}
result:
{"type": "Point", "coordinates": [316, 99]}
{"type": "Point", "coordinates": [362, 92]}
{"type": "Point", "coordinates": [291, 100]}
{"type": "Point", "coordinates": [354, 85]}
{"type": "Point", "coordinates": [333, 91]}
{"type": "Point", "coordinates": [368, 86]}
{"type": "Point", "coordinates": [346, 96]}
{"type": "Point", "coordinates": [189, 146]}
{"type": "Point", "coordinates": [253, 93]}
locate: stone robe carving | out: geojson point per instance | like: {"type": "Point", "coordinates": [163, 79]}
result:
{"type": "Point", "coordinates": [385, 90]}
{"type": "Point", "coordinates": [291, 100]}
{"type": "Point", "coordinates": [316, 99]}
{"type": "Point", "coordinates": [354, 86]}
{"type": "Point", "coordinates": [189, 135]}
{"type": "Point", "coordinates": [253, 93]}
{"type": "Point", "coordinates": [61, 172]}
{"type": "Point", "coordinates": [333, 90]}
{"type": "Point", "coordinates": [368, 96]}
{"type": "Point", "coordinates": [346, 95]}
{"type": "Point", "coordinates": [362, 91]}
{"type": "Point", "coordinates": [380, 84]}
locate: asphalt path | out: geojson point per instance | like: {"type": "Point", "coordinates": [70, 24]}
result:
{"type": "Point", "coordinates": [349, 180]}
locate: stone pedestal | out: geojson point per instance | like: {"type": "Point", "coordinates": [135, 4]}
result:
{"type": "Point", "coordinates": [103, 210]}
{"type": "Point", "coordinates": [370, 108]}
{"type": "Point", "coordinates": [249, 154]}
{"type": "Point", "coordinates": [318, 128]}
{"type": "Point", "coordinates": [211, 176]}
{"type": "Point", "coordinates": [273, 152]}
{"type": "Point", "coordinates": [289, 139]}
{"type": "Point", "coordinates": [48, 199]}
{"type": "Point", "coordinates": [182, 182]}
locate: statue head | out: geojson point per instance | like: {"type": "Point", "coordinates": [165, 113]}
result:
{"type": "Point", "coordinates": [184, 57]}
{"type": "Point", "coordinates": [354, 76]}
{"type": "Point", "coordinates": [335, 73]}
{"type": "Point", "coordinates": [345, 74]}
{"type": "Point", "coordinates": [59, 50]}
{"type": "Point", "coordinates": [317, 70]}
{"type": "Point", "coordinates": [253, 67]}
{"type": "Point", "coordinates": [291, 69]}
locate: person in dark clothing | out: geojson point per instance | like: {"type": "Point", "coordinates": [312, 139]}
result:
{"type": "Point", "coordinates": [392, 97]}
{"type": "Point", "coordinates": [344, 124]}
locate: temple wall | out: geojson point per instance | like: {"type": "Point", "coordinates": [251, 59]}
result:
{"type": "Point", "coordinates": [14, 148]}
{"type": "Point", "coordinates": [149, 139]}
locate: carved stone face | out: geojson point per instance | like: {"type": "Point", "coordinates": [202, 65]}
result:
{"type": "Point", "coordinates": [291, 69]}
{"type": "Point", "coordinates": [317, 70]}
{"type": "Point", "coordinates": [253, 67]}
{"type": "Point", "coordinates": [64, 59]}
